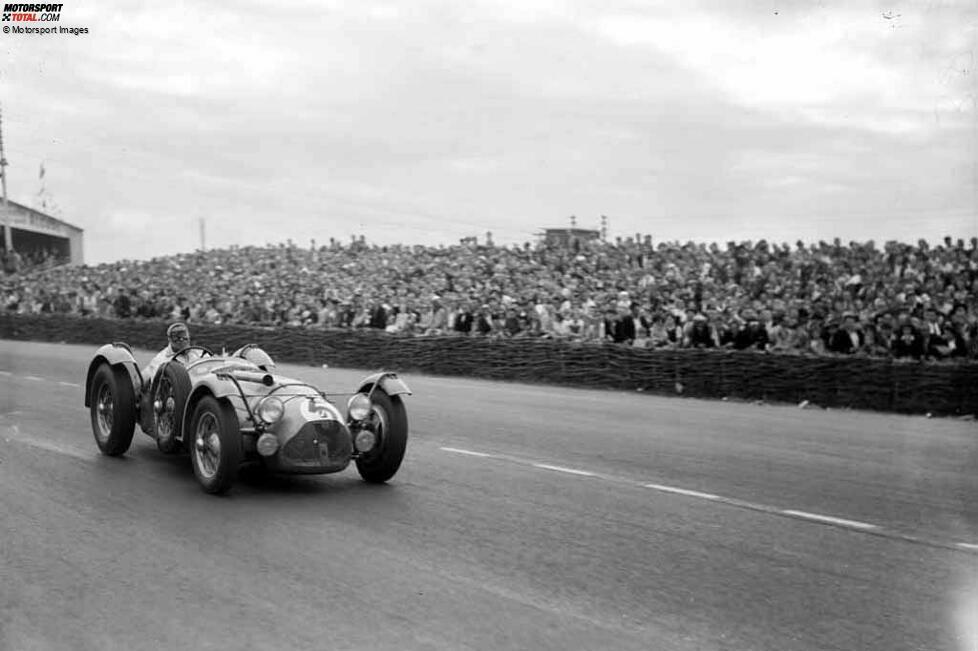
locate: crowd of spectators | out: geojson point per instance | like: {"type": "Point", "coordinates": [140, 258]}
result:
{"type": "Point", "coordinates": [913, 301]}
{"type": "Point", "coordinates": [14, 261]}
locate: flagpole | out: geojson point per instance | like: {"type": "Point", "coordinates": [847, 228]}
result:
{"type": "Point", "coordinates": [7, 239]}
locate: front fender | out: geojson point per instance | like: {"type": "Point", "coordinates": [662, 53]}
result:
{"type": "Point", "coordinates": [388, 381]}
{"type": "Point", "coordinates": [223, 390]}
{"type": "Point", "coordinates": [114, 354]}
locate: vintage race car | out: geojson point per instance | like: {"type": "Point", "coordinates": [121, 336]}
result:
{"type": "Point", "coordinates": [228, 409]}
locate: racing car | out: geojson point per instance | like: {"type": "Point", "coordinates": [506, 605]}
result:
{"type": "Point", "coordinates": [228, 409]}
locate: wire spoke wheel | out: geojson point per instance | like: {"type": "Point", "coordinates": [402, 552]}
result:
{"type": "Point", "coordinates": [164, 416]}
{"type": "Point", "coordinates": [207, 445]}
{"type": "Point", "coordinates": [380, 423]}
{"type": "Point", "coordinates": [104, 406]}
{"type": "Point", "coordinates": [216, 449]}
{"type": "Point", "coordinates": [388, 420]}
{"type": "Point", "coordinates": [112, 408]}
{"type": "Point", "coordinates": [169, 402]}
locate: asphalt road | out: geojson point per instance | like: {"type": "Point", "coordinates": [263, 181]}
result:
{"type": "Point", "coordinates": [524, 517]}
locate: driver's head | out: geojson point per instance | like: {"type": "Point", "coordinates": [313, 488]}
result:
{"type": "Point", "coordinates": [179, 336]}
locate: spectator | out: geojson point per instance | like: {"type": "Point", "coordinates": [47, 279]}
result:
{"type": "Point", "coordinates": [937, 342]}
{"type": "Point", "coordinates": [908, 343]}
{"type": "Point", "coordinates": [658, 335]}
{"type": "Point", "coordinates": [402, 320]}
{"type": "Point", "coordinates": [883, 336]}
{"type": "Point", "coordinates": [347, 314]}
{"type": "Point", "coordinates": [753, 335]}
{"type": "Point", "coordinates": [378, 316]}
{"type": "Point", "coordinates": [963, 335]}
{"type": "Point", "coordinates": [464, 319]}
{"type": "Point", "coordinates": [511, 324]}
{"type": "Point", "coordinates": [848, 339]}
{"type": "Point", "coordinates": [122, 305]}
{"type": "Point", "coordinates": [701, 334]}
{"type": "Point", "coordinates": [575, 323]}
{"type": "Point", "coordinates": [608, 326]}
{"type": "Point", "coordinates": [641, 318]}
{"type": "Point", "coordinates": [674, 333]}
{"type": "Point", "coordinates": [560, 327]}
{"type": "Point", "coordinates": [624, 325]}
{"type": "Point", "coordinates": [484, 321]}
{"type": "Point", "coordinates": [435, 319]}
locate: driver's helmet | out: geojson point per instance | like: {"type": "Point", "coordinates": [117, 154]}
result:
{"type": "Point", "coordinates": [256, 356]}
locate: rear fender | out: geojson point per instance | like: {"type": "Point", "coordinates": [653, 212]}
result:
{"type": "Point", "coordinates": [386, 381]}
{"type": "Point", "coordinates": [115, 354]}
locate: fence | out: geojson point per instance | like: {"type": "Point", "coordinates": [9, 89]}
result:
{"type": "Point", "coordinates": [861, 383]}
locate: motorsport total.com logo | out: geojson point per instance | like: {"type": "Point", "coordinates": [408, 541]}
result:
{"type": "Point", "coordinates": [30, 13]}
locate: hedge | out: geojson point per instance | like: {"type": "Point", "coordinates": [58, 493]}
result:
{"type": "Point", "coordinates": [853, 382]}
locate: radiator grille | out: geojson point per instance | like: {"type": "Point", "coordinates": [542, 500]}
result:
{"type": "Point", "coordinates": [319, 443]}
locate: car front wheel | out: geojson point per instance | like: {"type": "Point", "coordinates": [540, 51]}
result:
{"type": "Point", "coordinates": [215, 445]}
{"type": "Point", "coordinates": [389, 420]}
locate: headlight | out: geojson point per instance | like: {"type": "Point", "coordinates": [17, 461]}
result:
{"type": "Point", "coordinates": [365, 440]}
{"type": "Point", "coordinates": [270, 410]}
{"type": "Point", "coordinates": [267, 444]}
{"type": "Point", "coordinates": [358, 407]}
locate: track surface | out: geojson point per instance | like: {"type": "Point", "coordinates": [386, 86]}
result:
{"type": "Point", "coordinates": [523, 517]}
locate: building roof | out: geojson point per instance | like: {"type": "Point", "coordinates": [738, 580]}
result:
{"type": "Point", "coordinates": [23, 217]}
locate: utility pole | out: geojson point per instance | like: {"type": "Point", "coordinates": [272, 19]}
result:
{"type": "Point", "coordinates": [203, 242]}
{"type": "Point", "coordinates": [7, 239]}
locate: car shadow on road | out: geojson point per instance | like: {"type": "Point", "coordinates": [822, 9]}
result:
{"type": "Point", "coordinates": [255, 476]}
{"type": "Point", "coordinates": [255, 481]}
{"type": "Point", "coordinates": [146, 451]}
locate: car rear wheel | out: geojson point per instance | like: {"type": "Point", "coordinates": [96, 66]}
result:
{"type": "Point", "coordinates": [113, 410]}
{"type": "Point", "coordinates": [215, 444]}
{"type": "Point", "coordinates": [169, 400]}
{"type": "Point", "coordinates": [390, 425]}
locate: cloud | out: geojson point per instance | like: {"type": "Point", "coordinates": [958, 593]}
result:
{"type": "Point", "coordinates": [846, 65]}
{"type": "Point", "coordinates": [430, 121]}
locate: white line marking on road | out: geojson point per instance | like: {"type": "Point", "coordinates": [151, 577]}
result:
{"type": "Point", "coordinates": [869, 529]}
{"type": "Point", "coordinates": [54, 447]}
{"type": "Point", "coordinates": [468, 452]}
{"type": "Point", "coordinates": [6, 373]}
{"type": "Point", "coordinates": [33, 378]}
{"type": "Point", "coordinates": [682, 491]}
{"type": "Point", "coordinates": [572, 471]}
{"type": "Point", "coordinates": [68, 384]}
{"type": "Point", "coordinates": [47, 445]}
{"type": "Point", "coordinates": [831, 520]}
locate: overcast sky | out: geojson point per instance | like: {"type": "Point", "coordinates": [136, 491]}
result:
{"type": "Point", "coordinates": [428, 121]}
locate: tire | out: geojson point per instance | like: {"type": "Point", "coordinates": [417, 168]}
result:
{"type": "Point", "coordinates": [171, 390]}
{"type": "Point", "coordinates": [391, 427]}
{"type": "Point", "coordinates": [214, 440]}
{"type": "Point", "coordinates": [113, 410]}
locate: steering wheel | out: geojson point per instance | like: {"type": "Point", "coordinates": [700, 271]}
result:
{"type": "Point", "coordinates": [202, 349]}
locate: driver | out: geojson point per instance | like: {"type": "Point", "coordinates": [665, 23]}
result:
{"type": "Point", "coordinates": [179, 336]}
